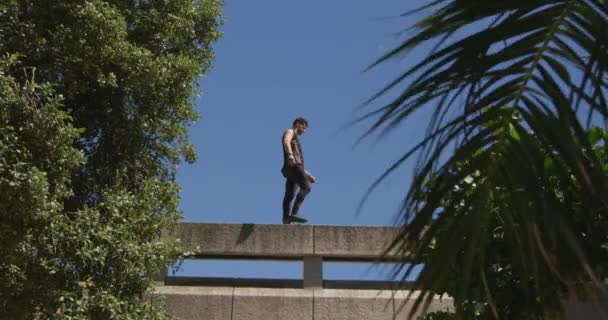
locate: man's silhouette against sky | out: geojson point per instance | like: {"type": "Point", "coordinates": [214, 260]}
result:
{"type": "Point", "coordinates": [294, 173]}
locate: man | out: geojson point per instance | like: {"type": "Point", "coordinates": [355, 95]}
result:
{"type": "Point", "coordinates": [293, 171]}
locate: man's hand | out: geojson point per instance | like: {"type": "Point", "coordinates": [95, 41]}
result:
{"type": "Point", "coordinates": [291, 160]}
{"type": "Point", "coordinates": [310, 178]}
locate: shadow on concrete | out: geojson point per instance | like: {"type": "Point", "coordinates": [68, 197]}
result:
{"type": "Point", "coordinates": [245, 232]}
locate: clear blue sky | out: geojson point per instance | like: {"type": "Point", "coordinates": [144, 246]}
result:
{"type": "Point", "coordinates": [279, 60]}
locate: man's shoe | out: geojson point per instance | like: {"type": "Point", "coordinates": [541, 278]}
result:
{"type": "Point", "coordinates": [287, 220]}
{"type": "Point", "coordinates": [297, 218]}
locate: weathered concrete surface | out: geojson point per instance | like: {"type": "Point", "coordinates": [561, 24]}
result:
{"type": "Point", "coordinates": [313, 272]}
{"type": "Point", "coordinates": [354, 242]}
{"type": "Point", "coordinates": [348, 243]}
{"type": "Point", "coordinates": [587, 310]}
{"type": "Point", "coordinates": [246, 240]}
{"type": "Point", "coordinates": [190, 303]}
{"type": "Point", "coordinates": [222, 303]}
{"type": "Point", "coordinates": [405, 300]}
{"type": "Point", "coordinates": [265, 241]}
{"type": "Point", "coordinates": [271, 304]}
{"type": "Point", "coordinates": [334, 304]}
{"type": "Point", "coordinates": [227, 303]}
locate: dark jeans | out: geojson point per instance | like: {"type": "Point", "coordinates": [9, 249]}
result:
{"type": "Point", "coordinates": [295, 176]}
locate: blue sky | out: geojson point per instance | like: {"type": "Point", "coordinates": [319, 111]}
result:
{"type": "Point", "coordinates": [279, 60]}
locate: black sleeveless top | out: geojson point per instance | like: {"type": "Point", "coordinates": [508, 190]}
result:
{"type": "Point", "coordinates": [296, 149]}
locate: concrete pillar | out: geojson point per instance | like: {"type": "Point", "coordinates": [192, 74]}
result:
{"type": "Point", "coordinates": [159, 278]}
{"type": "Point", "coordinates": [313, 272]}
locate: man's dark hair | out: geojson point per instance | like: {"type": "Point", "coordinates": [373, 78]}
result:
{"type": "Point", "coordinates": [300, 120]}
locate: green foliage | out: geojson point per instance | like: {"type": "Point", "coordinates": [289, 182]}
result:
{"type": "Point", "coordinates": [507, 208]}
{"type": "Point", "coordinates": [95, 102]}
{"type": "Point", "coordinates": [498, 288]}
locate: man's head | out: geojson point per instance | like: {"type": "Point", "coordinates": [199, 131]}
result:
{"type": "Point", "coordinates": [299, 125]}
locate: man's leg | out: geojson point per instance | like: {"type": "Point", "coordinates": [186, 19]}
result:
{"type": "Point", "coordinates": [290, 190]}
{"type": "Point", "coordinates": [304, 189]}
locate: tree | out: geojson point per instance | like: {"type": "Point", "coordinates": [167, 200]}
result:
{"type": "Point", "coordinates": [95, 101]}
{"type": "Point", "coordinates": [497, 290]}
{"type": "Point", "coordinates": [540, 67]}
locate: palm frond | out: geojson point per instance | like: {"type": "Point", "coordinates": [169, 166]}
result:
{"type": "Point", "coordinates": [533, 77]}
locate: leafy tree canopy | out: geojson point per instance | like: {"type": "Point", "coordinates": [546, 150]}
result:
{"type": "Point", "coordinates": [513, 89]}
{"type": "Point", "coordinates": [95, 102]}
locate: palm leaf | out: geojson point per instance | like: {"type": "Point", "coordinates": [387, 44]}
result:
{"type": "Point", "coordinates": [532, 76]}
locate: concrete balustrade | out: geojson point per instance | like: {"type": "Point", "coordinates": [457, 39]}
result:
{"type": "Point", "coordinates": [190, 303]}
{"type": "Point", "coordinates": [311, 244]}
{"type": "Point", "coordinates": [246, 241]}
{"type": "Point", "coordinates": [285, 242]}
{"type": "Point", "coordinates": [190, 298]}
{"type": "Point", "coordinates": [222, 303]}
{"type": "Point", "coordinates": [355, 243]}
{"type": "Point", "coordinates": [235, 303]}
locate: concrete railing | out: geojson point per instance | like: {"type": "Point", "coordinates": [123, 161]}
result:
{"type": "Point", "coordinates": [287, 242]}
{"type": "Point", "coordinates": [190, 298]}
{"type": "Point", "coordinates": [235, 303]}
{"type": "Point", "coordinates": [312, 297]}
{"type": "Point", "coordinates": [311, 244]}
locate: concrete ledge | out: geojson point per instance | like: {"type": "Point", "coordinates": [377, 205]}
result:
{"type": "Point", "coordinates": [227, 303]}
{"type": "Point", "coordinates": [333, 304]}
{"type": "Point", "coordinates": [405, 300]}
{"type": "Point", "coordinates": [267, 241]}
{"type": "Point", "coordinates": [248, 241]}
{"type": "Point", "coordinates": [189, 303]}
{"type": "Point", "coordinates": [354, 243]}
{"type": "Point", "coordinates": [221, 303]}
{"type": "Point", "coordinates": [583, 310]}
{"type": "Point", "coordinates": [270, 304]}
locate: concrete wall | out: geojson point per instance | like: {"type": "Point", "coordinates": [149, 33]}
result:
{"type": "Point", "coordinates": [207, 303]}
{"type": "Point", "coordinates": [230, 303]}
{"type": "Point", "coordinates": [312, 244]}
{"type": "Point", "coordinates": [595, 309]}
{"type": "Point", "coordinates": [346, 242]}
{"type": "Point", "coordinates": [246, 240]}
{"type": "Point", "coordinates": [224, 303]}
{"type": "Point", "coordinates": [267, 241]}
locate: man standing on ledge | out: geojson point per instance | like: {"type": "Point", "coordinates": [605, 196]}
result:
{"type": "Point", "coordinates": [293, 171]}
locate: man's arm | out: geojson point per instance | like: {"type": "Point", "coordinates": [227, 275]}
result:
{"type": "Point", "coordinates": [287, 136]}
